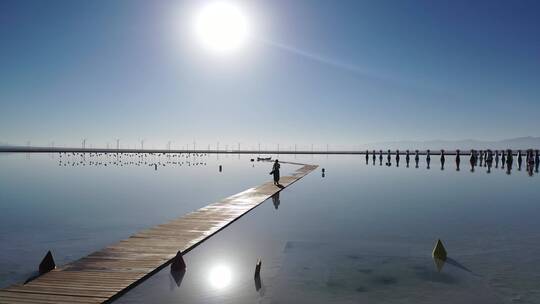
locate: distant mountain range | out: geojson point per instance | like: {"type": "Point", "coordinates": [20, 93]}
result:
{"type": "Point", "coordinates": [521, 143]}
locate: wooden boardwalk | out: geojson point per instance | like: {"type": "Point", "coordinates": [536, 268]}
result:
{"type": "Point", "coordinates": [106, 274]}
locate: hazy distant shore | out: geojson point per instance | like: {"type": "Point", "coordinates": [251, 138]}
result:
{"type": "Point", "coordinates": [16, 149]}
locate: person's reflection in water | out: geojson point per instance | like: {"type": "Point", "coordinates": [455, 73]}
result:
{"type": "Point", "coordinates": [472, 160]}
{"type": "Point", "coordinates": [397, 158]}
{"type": "Point", "coordinates": [275, 200]}
{"type": "Point", "coordinates": [380, 157]}
{"type": "Point", "coordinates": [503, 159]}
{"type": "Point", "coordinates": [374, 157]}
{"type": "Point", "coordinates": [496, 159]}
{"type": "Point", "coordinates": [428, 158]}
{"type": "Point", "coordinates": [442, 159]}
{"type": "Point", "coordinates": [458, 159]}
{"type": "Point", "coordinates": [509, 161]}
{"type": "Point", "coordinates": [416, 158]}
{"type": "Point", "coordinates": [388, 158]}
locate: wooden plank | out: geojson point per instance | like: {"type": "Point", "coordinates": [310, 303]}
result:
{"type": "Point", "coordinates": [104, 275]}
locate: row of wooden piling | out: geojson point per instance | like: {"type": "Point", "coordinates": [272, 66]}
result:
{"type": "Point", "coordinates": [532, 157]}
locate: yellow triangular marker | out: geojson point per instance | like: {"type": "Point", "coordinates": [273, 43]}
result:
{"type": "Point", "coordinates": [439, 252]}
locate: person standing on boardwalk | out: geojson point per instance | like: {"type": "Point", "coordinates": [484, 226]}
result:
{"type": "Point", "coordinates": [275, 172]}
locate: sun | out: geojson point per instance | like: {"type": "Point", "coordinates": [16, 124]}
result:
{"type": "Point", "coordinates": [221, 27]}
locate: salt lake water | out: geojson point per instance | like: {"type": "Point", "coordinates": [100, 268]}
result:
{"type": "Point", "coordinates": [360, 233]}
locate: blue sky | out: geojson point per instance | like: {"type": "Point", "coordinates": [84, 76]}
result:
{"type": "Point", "coordinates": [336, 72]}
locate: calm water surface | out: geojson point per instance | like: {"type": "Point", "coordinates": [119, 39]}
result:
{"type": "Point", "coordinates": [73, 205]}
{"type": "Point", "coordinates": [361, 233]}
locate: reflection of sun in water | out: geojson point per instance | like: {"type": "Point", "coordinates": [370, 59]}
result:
{"type": "Point", "coordinates": [220, 276]}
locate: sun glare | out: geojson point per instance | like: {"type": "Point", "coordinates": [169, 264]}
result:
{"type": "Point", "coordinates": [221, 27]}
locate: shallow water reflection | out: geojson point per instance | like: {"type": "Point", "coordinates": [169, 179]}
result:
{"type": "Point", "coordinates": [220, 276]}
{"type": "Point", "coordinates": [326, 272]}
{"type": "Point", "coordinates": [74, 204]}
{"type": "Point", "coordinates": [362, 232]}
